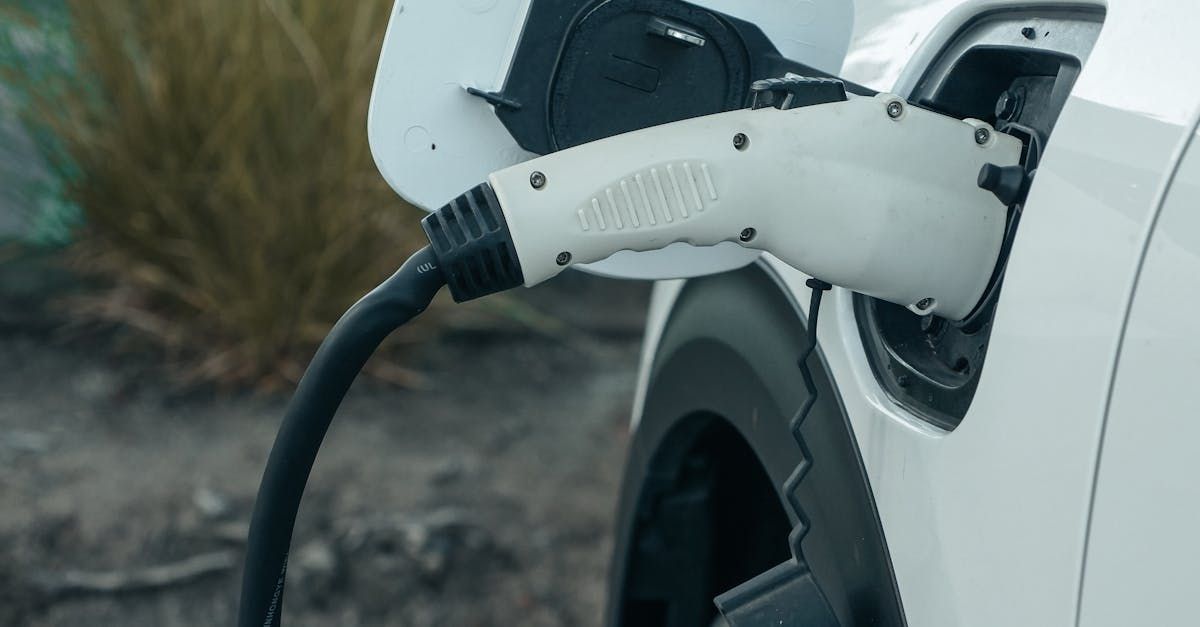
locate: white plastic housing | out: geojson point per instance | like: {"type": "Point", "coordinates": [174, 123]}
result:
{"type": "Point", "coordinates": [843, 191]}
{"type": "Point", "coordinates": [431, 139]}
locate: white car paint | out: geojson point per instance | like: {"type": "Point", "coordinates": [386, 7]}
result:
{"type": "Point", "coordinates": [988, 525]}
{"type": "Point", "coordinates": [1140, 564]}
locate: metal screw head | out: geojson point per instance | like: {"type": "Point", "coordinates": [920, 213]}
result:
{"type": "Point", "coordinates": [747, 234]}
{"type": "Point", "coordinates": [1006, 105]}
{"type": "Point", "coordinates": [924, 303]}
{"type": "Point", "coordinates": [740, 141]}
{"type": "Point", "coordinates": [563, 258]}
{"type": "Point", "coordinates": [1028, 32]}
{"type": "Point", "coordinates": [895, 109]}
{"type": "Point", "coordinates": [537, 180]}
{"type": "Point", "coordinates": [982, 135]}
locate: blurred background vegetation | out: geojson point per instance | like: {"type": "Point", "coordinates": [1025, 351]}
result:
{"type": "Point", "coordinates": [187, 202]}
{"type": "Point", "coordinates": [209, 160]}
{"type": "Point", "coordinates": [33, 206]}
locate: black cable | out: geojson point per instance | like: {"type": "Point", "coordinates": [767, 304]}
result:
{"type": "Point", "coordinates": [337, 362]}
{"type": "Point", "coordinates": [818, 288]}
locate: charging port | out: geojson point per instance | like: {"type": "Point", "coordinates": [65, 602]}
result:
{"type": "Point", "coordinates": [1014, 70]}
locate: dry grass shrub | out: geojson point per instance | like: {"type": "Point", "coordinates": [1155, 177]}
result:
{"type": "Point", "coordinates": [218, 149]}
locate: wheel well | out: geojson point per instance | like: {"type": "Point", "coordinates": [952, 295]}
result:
{"type": "Point", "coordinates": [723, 388]}
{"type": "Point", "coordinates": [716, 516]}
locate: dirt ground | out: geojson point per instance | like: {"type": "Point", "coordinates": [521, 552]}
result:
{"type": "Point", "coordinates": [486, 499]}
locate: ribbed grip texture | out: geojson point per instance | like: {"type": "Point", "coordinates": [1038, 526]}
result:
{"type": "Point", "coordinates": [473, 246]}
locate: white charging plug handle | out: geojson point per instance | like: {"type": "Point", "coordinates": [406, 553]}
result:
{"type": "Point", "coordinates": [876, 200]}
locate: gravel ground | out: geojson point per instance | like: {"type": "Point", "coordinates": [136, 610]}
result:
{"type": "Point", "coordinates": [485, 499]}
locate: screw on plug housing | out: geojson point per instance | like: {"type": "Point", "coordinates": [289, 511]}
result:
{"type": "Point", "coordinates": [895, 109]}
{"type": "Point", "coordinates": [747, 234]}
{"type": "Point", "coordinates": [537, 180]}
{"type": "Point", "coordinates": [740, 141]}
{"type": "Point", "coordinates": [982, 135]}
{"type": "Point", "coordinates": [1028, 32]}
{"type": "Point", "coordinates": [563, 258]}
{"type": "Point", "coordinates": [924, 303]}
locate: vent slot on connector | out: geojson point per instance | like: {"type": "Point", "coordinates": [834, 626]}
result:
{"type": "Point", "coordinates": [1014, 70]}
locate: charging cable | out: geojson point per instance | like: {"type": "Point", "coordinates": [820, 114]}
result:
{"type": "Point", "coordinates": [471, 252]}
{"type": "Point", "coordinates": [337, 362]}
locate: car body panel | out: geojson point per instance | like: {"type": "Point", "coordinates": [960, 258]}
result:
{"type": "Point", "coordinates": [987, 525]}
{"type": "Point", "coordinates": [1141, 558]}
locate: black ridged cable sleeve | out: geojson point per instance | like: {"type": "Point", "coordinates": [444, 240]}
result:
{"type": "Point", "coordinates": [473, 245]}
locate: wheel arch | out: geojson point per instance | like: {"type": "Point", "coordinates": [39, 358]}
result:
{"type": "Point", "coordinates": [722, 379]}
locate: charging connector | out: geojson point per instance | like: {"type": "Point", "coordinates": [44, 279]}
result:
{"type": "Point", "coordinates": [869, 194]}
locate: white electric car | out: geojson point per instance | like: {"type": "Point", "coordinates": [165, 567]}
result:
{"type": "Point", "coordinates": [1029, 463]}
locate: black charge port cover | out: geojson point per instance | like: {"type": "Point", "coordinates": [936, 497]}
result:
{"type": "Point", "coordinates": [631, 64]}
